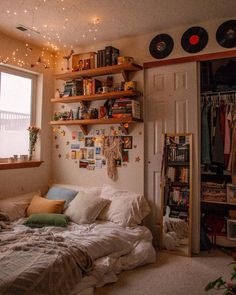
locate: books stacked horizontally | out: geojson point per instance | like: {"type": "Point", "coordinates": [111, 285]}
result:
{"type": "Point", "coordinates": [107, 56]}
{"type": "Point", "coordinates": [90, 86]}
{"type": "Point", "coordinates": [126, 107]}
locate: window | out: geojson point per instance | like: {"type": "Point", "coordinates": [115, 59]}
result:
{"type": "Point", "coordinates": [16, 111]}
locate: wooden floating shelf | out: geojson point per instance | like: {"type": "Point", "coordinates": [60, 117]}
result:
{"type": "Point", "coordinates": [124, 69]}
{"type": "Point", "coordinates": [83, 123]}
{"type": "Point", "coordinates": [18, 165]}
{"type": "Point", "coordinates": [218, 202]}
{"type": "Point", "coordinates": [102, 96]}
{"type": "Point", "coordinates": [96, 121]}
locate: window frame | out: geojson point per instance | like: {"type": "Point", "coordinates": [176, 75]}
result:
{"type": "Point", "coordinates": [4, 162]}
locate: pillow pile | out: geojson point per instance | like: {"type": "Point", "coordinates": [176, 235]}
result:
{"type": "Point", "coordinates": [126, 208]}
{"type": "Point", "coordinates": [85, 207]}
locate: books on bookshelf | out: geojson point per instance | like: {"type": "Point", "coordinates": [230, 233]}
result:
{"type": "Point", "coordinates": [107, 56]}
{"type": "Point", "coordinates": [178, 174]}
{"type": "Point", "coordinates": [124, 107]}
{"type": "Point", "coordinates": [90, 86]}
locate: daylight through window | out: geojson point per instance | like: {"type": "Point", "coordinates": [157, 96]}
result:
{"type": "Point", "coordinates": [16, 89]}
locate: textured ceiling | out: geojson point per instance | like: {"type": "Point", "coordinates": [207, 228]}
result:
{"type": "Point", "coordinates": [70, 23]}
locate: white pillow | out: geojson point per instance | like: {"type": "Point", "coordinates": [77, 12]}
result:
{"type": "Point", "coordinates": [15, 207]}
{"type": "Point", "coordinates": [126, 208]}
{"type": "Point", "coordinates": [85, 207]}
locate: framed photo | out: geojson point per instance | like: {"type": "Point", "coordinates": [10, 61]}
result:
{"type": "Point", "coordinates": [125, 156]}
{"type": "Point", "coordinates": [89, 142]}
{"type": "Point", "coordinates": [98, 150]}
{"type": "Point", "coordinates": [118, 162]}
{"type": "Point", "coordinates": [127, 142]}
{"type": "Point", "coordinates": [83, 61]}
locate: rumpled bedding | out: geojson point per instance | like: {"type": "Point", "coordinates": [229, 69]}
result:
{"type": "Point", "coordinates": [69, 260]}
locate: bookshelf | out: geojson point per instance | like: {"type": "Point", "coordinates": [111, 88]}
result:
{"type": "Point", "coordinates": [177, 185]}
{"type": "Point", "coordinates": [124, 120]}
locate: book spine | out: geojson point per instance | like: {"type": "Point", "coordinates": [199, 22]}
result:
{"type": "Point", "coordinates": [103, 58]}
{"type": "Point", "coordinates": [108, 55]}
{"type": "Point", "coordinates": [99, 59]}
{"type": "Point", "coordinates": [115, 54]}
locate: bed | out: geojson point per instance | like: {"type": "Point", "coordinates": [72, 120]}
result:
{"type": "Point", "coordinates": [73, 259]}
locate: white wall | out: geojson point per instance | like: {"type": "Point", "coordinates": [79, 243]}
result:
{"type": "Point", "coordinates": [16, 181]}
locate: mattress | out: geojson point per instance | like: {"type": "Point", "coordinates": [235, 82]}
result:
{"type": "Point", "coordinates": [112, 248]}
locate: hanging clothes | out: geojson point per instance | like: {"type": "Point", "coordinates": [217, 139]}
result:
{"type": "Point", "coordinates": [233, 149]}
{"type": "Point", "coordinates": [217, 146]}
{"type": "Point", "coordinates": [205, 147]}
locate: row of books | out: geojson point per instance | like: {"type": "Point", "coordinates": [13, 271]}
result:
{"type": "Point", "coordinates": [81, 87]}
{"type": "Point", "coordinates": [126, 107]}
{"type": "Point", "coordinates": [107, 56]}
{"type": "Point", "coordinates": [179, 196]}
{"type": "Point", "coordinates": [178, 174]}
{"type": "Point", "coordinates": [178, 153]}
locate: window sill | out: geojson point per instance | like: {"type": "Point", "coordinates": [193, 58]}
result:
{"type": "Point", "coordinates": [17, 165]}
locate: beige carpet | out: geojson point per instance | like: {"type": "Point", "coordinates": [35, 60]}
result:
{"type": "Point", "coordinates": [172, 275]}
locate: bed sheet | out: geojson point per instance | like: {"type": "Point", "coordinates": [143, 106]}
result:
{"type": "Point", "coordinates": [112, 247]}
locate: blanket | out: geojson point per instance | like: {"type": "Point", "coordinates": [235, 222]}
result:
{"type": "Point", "coordinates": [38, 263]}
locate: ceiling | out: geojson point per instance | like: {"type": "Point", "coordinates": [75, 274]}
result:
{"type": "Point", "coordinates": [74, 23]}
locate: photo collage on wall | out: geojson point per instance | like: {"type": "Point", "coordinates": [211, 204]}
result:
{"type": "Point", "coordinates": [88, 149]}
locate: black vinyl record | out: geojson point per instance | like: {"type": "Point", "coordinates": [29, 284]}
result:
{"type": "Point", "coordinates": [194, 39]}
{"type": "Point", "coordinates": [161, 46]}
{"type": "Point", "coordinates": [226, 34]}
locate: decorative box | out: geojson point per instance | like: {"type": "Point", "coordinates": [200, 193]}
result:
{"type": "Point", "coordinates": [231, 193]}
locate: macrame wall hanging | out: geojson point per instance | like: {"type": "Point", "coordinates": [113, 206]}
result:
{"type": "Point", "coordinates": [112, 149]}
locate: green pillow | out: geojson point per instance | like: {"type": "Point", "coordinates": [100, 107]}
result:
{"type": "Point", "coordinates": [46, 219]}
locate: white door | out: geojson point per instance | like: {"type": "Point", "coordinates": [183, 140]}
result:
{"type": "Point", "coordinates": [171, 106]}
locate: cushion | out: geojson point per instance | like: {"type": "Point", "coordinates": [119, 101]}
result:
{"type": "Point", "coordinates": [61, 193]}
{"type": "Point", "coordinates": [85, 207]}
{"type": "Point", "coordinates": [126, 208]}
{"type": "Point", "coordinates": [46, 219]}
{"type": "Point", "coordinates": [15, 207]}
{"type": "Point", "coordinates": [43, 205]}
{"type": "Point", "coordinates": [78, 188]}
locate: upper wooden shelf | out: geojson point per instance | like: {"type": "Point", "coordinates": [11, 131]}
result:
{"type": "Point", "coordinates": [102, 96]}
{"type": "Point", "coordinates": [124, 69]}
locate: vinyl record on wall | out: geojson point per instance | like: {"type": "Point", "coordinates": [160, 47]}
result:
{"type": "Point", "coordinates": [194, 39]}
{"type": "Point", "coordinates": [161, 46]}
{"type": "Point", "coordinates": [226, 34]}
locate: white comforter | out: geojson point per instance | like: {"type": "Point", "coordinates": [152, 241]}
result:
{"type": "Point", "coordinates": [112, 247]}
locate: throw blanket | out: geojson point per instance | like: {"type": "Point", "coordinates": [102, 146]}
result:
{"type": "Point", "coordinates": [34, 263]}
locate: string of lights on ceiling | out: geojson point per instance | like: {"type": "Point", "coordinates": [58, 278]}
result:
{"type": "Point", "coordinates": [51, 35]}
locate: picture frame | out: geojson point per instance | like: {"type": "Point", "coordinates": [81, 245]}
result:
{"type": "Point", "coordinates": [89, 142]}
{"type": "Point", "coordinates": [127, 142]}
{"type": "Point", "coordinates": [83, 61]}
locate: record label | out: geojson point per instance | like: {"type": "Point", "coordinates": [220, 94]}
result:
{"type": "Point", "coordinates": [161, 46]}
{"type": "Point", "coordinates": [226, 34]}
{"type": "Point", "coordinates": [194, 39]}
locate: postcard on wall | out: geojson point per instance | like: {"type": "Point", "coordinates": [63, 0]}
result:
{"type": "Point", "coordinates": [73, 155]}
{"type": "Point", "coordinates": [98, 150]}
{"type": "Point", "coordinates": [80, 136]}
{"type": "Point", "coordinates": [83, 164]}
{"type": "Point", "coordinates": [89, 142]}
{"type": "Point", "coordinates": [118, 162]}
{"type": "Point", "coordinates": [75, 146]}
{"type": "Point", "coordinates": [83, 153]}
{"type": "Point", "coordinates": [125, 156]}
{"type": "Point", "coordinates": [74, 135]}
{"type": "Point", "coordinates": [90, 154]}
{"type": "Point", "coordinates": [98, 163]}
{"type": "Point", "coordinates": [127, 142]}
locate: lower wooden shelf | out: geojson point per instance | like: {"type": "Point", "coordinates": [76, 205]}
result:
{"type": "Point", "coordinates": [17, 165]}
{"type": "Point", "coordinates": [83, 123]}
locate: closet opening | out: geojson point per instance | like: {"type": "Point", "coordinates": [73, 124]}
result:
{"type": "Point", "coordinates": [218, 153]}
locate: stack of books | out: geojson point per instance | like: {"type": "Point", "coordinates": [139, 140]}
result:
{"type": "Point", "coordinates": [90, 86]}
{"type": "Point", "coordinates": [107, 56]}
{"type": "Point", "coordinates": [126, 107]}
